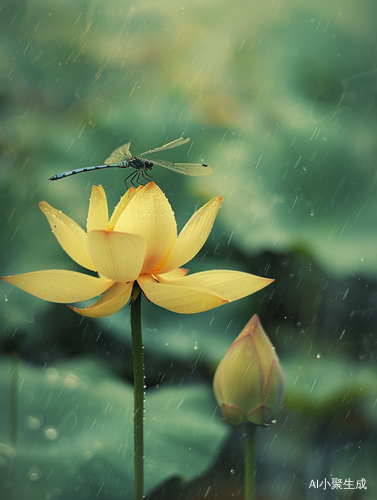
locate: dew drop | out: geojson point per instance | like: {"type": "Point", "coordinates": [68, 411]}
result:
{"type": "Point", "coordinates": [52, 375]}
{"type": "Point", "coordinates": [33, 423]}
{"type": "Point", "coordinates": [34, 474]}
{"type": "Point", "coordinates": [51, 433]}
{"type": "Point", "coordinates": [7, 450]}
{"type": "Point", "coordinates": [71, 381]}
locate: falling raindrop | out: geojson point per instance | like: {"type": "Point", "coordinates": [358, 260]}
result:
{"type": "Point", "coordinates": [207, 491]}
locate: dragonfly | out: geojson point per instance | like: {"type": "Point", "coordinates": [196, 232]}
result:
{"type": "Point", "coordinates": [122, 158]}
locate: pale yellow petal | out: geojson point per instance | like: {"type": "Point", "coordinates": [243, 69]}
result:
{"type": "Point", "coordinates": [172, 275]}
{"type": "Point", "coordinates": [231, 285]}
{"type": "Point", "coordinates": [71, 237]}
{"type": "Point", "coordinates": [193, 235]}
{"type": "Point", "coordinates": [119, 209]}
{"type": "Point", "coordinates": [98, 215]}
{"type": "Point", "coordinates": [149, 214]}
{"type": "Point", "coordinates": [59, 286]}
{"type": "Point", "coordinates": [118, 256]}
{"type": "Point", "coordinates": [114, 299]}
{"type": "Point", "coordinates": [179, 299]}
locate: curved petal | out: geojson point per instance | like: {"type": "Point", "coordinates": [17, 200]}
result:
{"type": "Point", "coordinates": [71, 237]}
{"type": "Point", "coordinates": [149, 214]}
{"type": "Point", "coordinates": [231, 285]}
{"type": "Point", "coordinates": [179, 299]}
{"type": "Point", "coordinates": [98, 214]}
{"type": "Point", "coordinates": [260, 415]}
{"type": "Point", "coordinates": [119, 209]}
{"type": "Point", "coordinates": [193, 235]}
{"type": "Point", "coordinates": [171, 275]}
{"type": "Point", "coordinates": [232, 414]}
{"type": "Point", "coordinates": [275, 383]}
{"type": "Point", "coordinates": [59, 286]}
{"type": "Point", "coordinates": [114, 299]}
{"type": "Point", "coordinates": [118, 256]}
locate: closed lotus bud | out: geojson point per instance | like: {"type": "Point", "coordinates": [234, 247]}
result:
{"type": "Point", "coordinates": [249, 382]}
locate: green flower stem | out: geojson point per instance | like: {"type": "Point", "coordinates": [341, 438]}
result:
{"type": "Point", "coordinates": [138, 365]}
{"type": "Point", "coordinates": [250, 462]}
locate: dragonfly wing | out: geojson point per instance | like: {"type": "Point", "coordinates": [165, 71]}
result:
{"type": "Point", "coordinates": [120, 154]}
{"type": "Point", "coordinates": [194, 169]}
{"type": "Point", "coordinates": [169, 145]}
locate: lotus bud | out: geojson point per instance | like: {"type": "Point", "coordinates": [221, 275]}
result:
{"type": "Point", "coordinates": [249, 382]}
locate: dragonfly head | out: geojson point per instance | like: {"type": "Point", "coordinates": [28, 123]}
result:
{"type": "Point", "coordinates": [148, 165]}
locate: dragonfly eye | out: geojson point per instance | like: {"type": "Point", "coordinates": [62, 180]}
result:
{"type": "Point", "coordinates": [148, 165]}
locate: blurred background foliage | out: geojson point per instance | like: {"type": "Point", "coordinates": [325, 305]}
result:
{"type": "Point", "coordinates": [280, 99]}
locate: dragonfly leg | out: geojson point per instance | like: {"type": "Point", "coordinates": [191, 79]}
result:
{"type": "Point", "coordinates": [138, 178]}
{"type": "Point", "coordinates": [146, 176]}
{"type": "Point", "coordinates": [131, 177]}
{"type": "Point", "coordinates": [134, 177]}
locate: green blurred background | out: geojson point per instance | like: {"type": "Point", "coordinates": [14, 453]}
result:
{"type": "Point", "coordinates": [280, 99]}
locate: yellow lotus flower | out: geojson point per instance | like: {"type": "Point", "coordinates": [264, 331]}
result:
{"type": "Point", "coordinates": [138, 243]}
